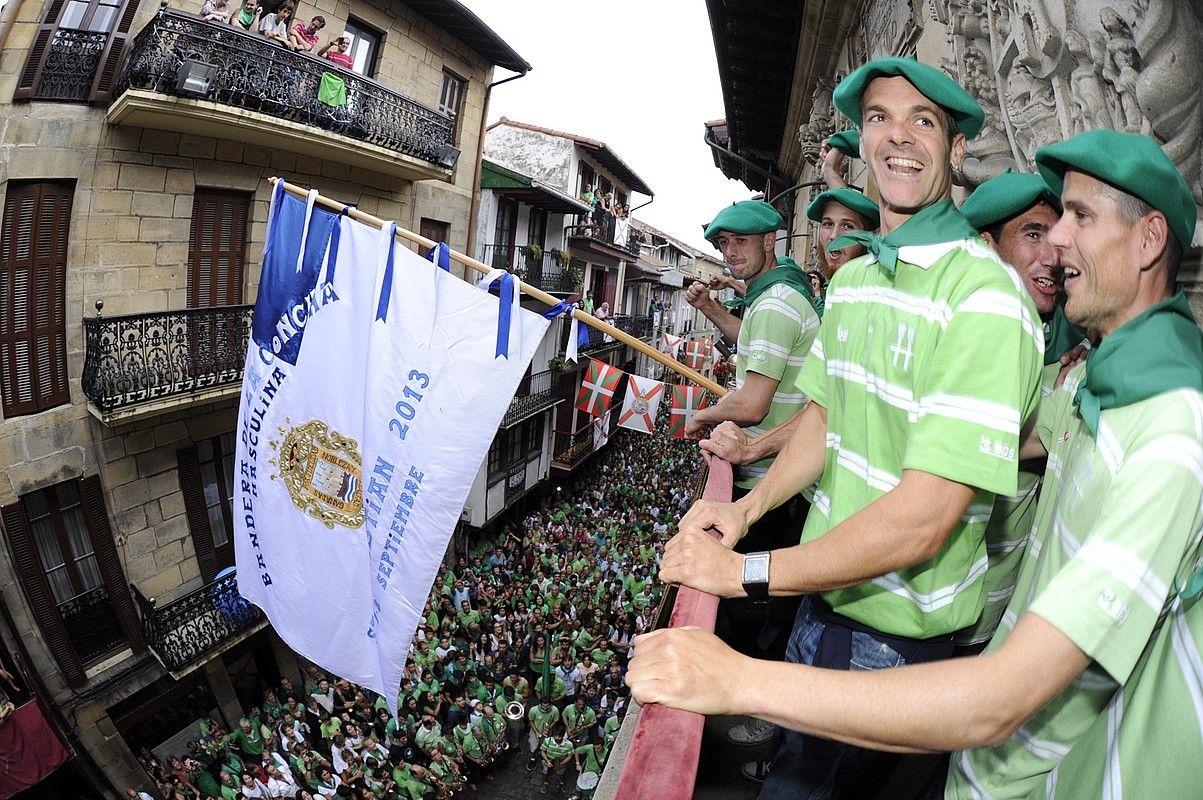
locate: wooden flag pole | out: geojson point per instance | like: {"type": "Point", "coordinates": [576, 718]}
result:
{"type": "Point", "coordinates": [538, 294]}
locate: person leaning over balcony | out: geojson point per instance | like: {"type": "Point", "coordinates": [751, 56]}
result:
{"type": "Point", "coordinates": [247, 16]}
{"type": "Point", "coordinates": [275, 25]}
{"type": "Point", "coordinates": [336, 50]}
{"type": "Point", "coordinates": [776, 333]}
{"type": "Point", "coordinates": [925, 366]}
{"type": "Point", "coordinates": [215, 11]}
{"type": "Point", "coordinates": [304, 37]}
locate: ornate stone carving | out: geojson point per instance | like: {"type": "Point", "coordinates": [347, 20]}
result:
{"type": "Point", "coordinates": [821, 123]}
{"type": "Point", "coordinates": [892, 27]}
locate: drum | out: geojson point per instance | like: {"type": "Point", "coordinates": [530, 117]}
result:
{"type": "Point", "coordinates": [587, 781]}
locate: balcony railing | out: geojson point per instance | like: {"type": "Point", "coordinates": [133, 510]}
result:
{"type": "Point", "coordinates": [182, 631]}
{"type": "Point", "coordinates": [515, 483]}
{"type": "Point", "coordinates": [546, 273]}
{"type": "Point", "coordinates": [539, 393]}
{"type": "Point", "coordinates": [256, 74]}
{"type": "Point", "coordinates": [70, 67]}
{"type": "Point", "coordinates": [133, 359]}
{"type": "Point", "coordinates": [572, 448]}
{"type": "Point", "coordinates": [638, 326]}
{"type": "Point", "coordinates": [603, 232]}
{"type": "Point", "coordinates": [91, 623]}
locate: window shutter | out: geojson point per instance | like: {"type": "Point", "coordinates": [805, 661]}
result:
{"type": "Point", "coordinates": [110, 60]}
{"type": "Point", "coordinates": [91, 495]}
{"type": "Point", "coordinates": [33, 580]}
{"type": "Point", "coordinates": [198, 516]}
{"type": "Point", "coordinates": [37, 52]}
{"type": "Point", "coordinates": [33, 276]}
{"type": "Point", "coordinates": [217, 248]}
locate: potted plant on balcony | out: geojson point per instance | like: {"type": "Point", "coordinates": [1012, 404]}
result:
{"type": "Point", "coordinates": [559, 364]}
{"type": "Point", "coordinates": [532, 252]}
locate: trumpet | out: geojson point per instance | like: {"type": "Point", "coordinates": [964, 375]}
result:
{"type": "Point", "coordinates": [515, 711]}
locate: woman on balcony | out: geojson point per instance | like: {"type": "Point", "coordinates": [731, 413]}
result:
{"type": "Point", "coordinates": [247, 16]}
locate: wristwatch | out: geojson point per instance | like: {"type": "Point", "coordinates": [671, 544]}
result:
{"type": "Point", "coordinates": [756, 575]}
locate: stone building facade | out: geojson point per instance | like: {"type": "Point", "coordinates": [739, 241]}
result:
{"type": "Point", "coordinates": [137, 143]}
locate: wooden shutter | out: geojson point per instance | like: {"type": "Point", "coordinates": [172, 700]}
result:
{"type": "Point", "coordinates": [37, 591]}
{"type": "Point", "coordinates": [33, 297]}
{"type": "Point", "coordinates": [91, 496]}
{"type": "Point", "coordinates": [193, 489]}
{"type": "Point", "coordinates": [217, 248]}
{"type": "Point", "coordinates": [37, 52]}
{"type": "Point", "coordinates": [110, 60]}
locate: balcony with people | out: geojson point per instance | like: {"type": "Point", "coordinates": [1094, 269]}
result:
{"type": "Point", "coordinates": [203, 75]}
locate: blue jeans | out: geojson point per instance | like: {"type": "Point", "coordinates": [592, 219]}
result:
{"type": "Point", "coordinates": [810, 768]}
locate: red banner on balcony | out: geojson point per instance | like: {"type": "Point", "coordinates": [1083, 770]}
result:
{"type": "Point", "coordinates": [30, 749]}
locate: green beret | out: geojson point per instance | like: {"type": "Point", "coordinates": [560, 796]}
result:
{"type": "Point", "coordinates": [747, 217]}
{"type": "Point", "coordinates": [1005, 196]}
{"type": "Point", "coordinates": [849, 199]}
{"type": "Point", "coordinates": [931, 83]}
{"type": "Point", "coordinates": [847, 142]}
{"type": "Point", "coordinates": [1133, 163]}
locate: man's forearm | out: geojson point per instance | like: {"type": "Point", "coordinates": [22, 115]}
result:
{"type": "Point", "coordinates": [773, 441]}
{"type": "Point", "coordinates": [798, 465]}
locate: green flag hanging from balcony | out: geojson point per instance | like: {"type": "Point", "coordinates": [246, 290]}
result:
{"type": "Point", "coordinates": [332, 90]}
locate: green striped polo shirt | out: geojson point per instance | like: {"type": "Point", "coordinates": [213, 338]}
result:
{"type": "Point", "coordinates": [932, 369]}
{"type": "Point", "coordinates": [1116, 532]}
{"type": "Point", "coordinates": [1007, 534]}
{"type": "Point", "coordinates": [776, 334]}
{"type": "Point", "coordinates": [1147, 743]}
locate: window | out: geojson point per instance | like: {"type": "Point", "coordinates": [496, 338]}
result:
{"type": "Point", "coordinates": [451, 100]}
{"type": "Point", "coordinates": [503, 233]}
{"type": "Point", "coordinates": [217, 248]}
{"type": "Point", "coordinates": [62, 546]}
{"type": "Point", "coordinates": [436, 231]}
{"type": "Point", "coordinates": [33, 297]}
{"type": "Point", "coordinates": [76, 51]}
{"type": "Point", "coordinates": [536, 228]}
{"type": "Point", "coordinates": [365, 46]}
{"type": "Point", "coordinates": [206, 474]}
{"type": "Point", "coordinates": [587, 177]}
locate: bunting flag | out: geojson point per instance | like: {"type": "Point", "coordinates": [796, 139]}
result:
{"type": "Point", "coordinates": [672, 344]}
{"type": "Point", "coordinates": [597, 390]}
{"type": "Point", "coordinates": [601, 431]}
{"type": "Point", "coordinates": [708, 349]}
{"type": "Point", "coordinates": [642, 403]}
{"type": "Point", "coordinates": [358, 434]}
{"type": "Point", "coordinates": [686, 401]}
{"type": "Point", "coordinates": [695, 355]}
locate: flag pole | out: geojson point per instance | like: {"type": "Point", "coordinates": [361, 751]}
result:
{"type": "Point", "coordinates": [538, 294]}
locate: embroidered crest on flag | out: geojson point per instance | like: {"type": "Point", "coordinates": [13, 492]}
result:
{"type": "Point", "coordinates": [323, 472]}
{"type": "Point", "coordinates": [686, 401]}
{"type": "Point", "coordinates": [596, 394]}
{"type": "Point", "coordinates": [641, 404]}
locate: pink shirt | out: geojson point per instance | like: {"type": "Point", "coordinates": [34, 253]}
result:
{"type": "Point", "coordinates": [301, 30]}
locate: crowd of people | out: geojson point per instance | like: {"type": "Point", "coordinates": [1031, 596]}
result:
{"type": "Point", "coordinates": [521, 655]}
{"type": "Point", "coordinates": [281, 26]}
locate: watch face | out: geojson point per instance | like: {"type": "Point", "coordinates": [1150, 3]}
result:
{"type": "Point", "coordinates": [756, 569]}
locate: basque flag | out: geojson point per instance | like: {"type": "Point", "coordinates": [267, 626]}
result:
{"type": "Point", "coordinates": [641, 404]}
{"type": "Point", "coordinates": [695, 354]}
{"type": "Point", "coordinates": [596, 394]}
{"type": "Point", "coordinates": [686, 401]}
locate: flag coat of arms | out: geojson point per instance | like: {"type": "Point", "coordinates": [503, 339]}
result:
{"type": "Point", "coordinates": [358, 445]}
{"type": "Point", "coordinates": [596, 394]}
{"type": "Point", "coordinates": [641, 404]}
{"type": "Point", "coordinates": [672, 344]}
{"type": "Point", "coordinates": [686, 401]}
{"type": "Point", "coordinates": [695, 354]}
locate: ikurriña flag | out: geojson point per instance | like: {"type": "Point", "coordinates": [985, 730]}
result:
{"type": "Point", "coordinates": [641, 404]}
{"type": "Point", "coordinates": [695, 354]}
{"type": "Point", "coordinates": [596, 394]}
{"type": "Point", "coordinates": [686, 401]}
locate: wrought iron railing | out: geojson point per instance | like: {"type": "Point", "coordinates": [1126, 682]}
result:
{"type": "Point", "coordinates": [638, 326]}
{"type": "Point", "coordinates": [257, 74]}
{"type": "Point", "coordinates": [70, 67]}
{"type": "Point", "coordinates": [139, 357]}
{"type": "Point", "coordinates": [182, 631]}
{"type": "Point", "coordinates": [91, 623]}
{"type": "Point", "coordinates": [571, 448]}
{"type": "Point", "coordinates": [546, 272]}
{"type": "Point", "coordinates": [603, 232]}
{"type": "Point", "coordinates": [537, 394]}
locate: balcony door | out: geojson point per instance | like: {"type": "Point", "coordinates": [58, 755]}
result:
{"type": "Point", "coordinates": [76, 51]}
{"type": "Point", "coordinates": [503, 233]}
{"type": "Point", "coordinates": [216, 264]}
{"type": "Point", "coordinates": [206, 473]}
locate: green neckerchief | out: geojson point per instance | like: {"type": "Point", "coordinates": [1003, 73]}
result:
{"type": "Point", "coordinates": [940, 222]}
{"type": "Point", "coordinates": [788, 272]}
{"type": "Point", "coordinates": [1158, 351]}
{"type": "Point", "coordinates": [1062, 335]}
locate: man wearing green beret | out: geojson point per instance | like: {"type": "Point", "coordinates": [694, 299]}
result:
{"type": "Point", "coordinates": [925, 367]}
{"type": "Point", "coordinates": [1090, 686]}
{"type": "Point", "coordinates": [779, 326]}
{"type": "Point", "coordinates": [833, 155]}
{"type": "Point", "coordinates": [839, 211]}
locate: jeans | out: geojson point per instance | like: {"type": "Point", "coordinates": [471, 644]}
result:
{"type": "Point", "coordinates": [810, 768]}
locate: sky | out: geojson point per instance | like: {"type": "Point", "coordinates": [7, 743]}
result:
{"type": "Point", "coordinates": [639, 75]}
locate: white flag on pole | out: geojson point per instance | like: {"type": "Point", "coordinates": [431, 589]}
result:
{"type": "Point", "coordinates": [369, 380]}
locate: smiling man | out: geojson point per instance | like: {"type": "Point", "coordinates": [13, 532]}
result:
{"type": "Point", "coordinates": [1105, 611]}
{"type": "Point", "coordinates": [925, 366]}
{"type": "Point", "coordinates": [840, 211]}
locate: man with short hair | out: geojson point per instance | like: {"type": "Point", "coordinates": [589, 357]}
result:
{"type": "Point", "coordinates": [1104, 611]}
{"type": "Point", "coordinates": [839, 211]}
{"type": "Point", "coordinates": [924, 369]}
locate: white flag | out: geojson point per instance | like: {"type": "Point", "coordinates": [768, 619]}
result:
{"type": "Point", "coordinates": [672, 344]}
{"type": "Point", "coordinates": [601, 431]}
{"type": "Point", "coordinates": [369, 380]}
{"type": "Point", "coordinates": [641, 404]}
